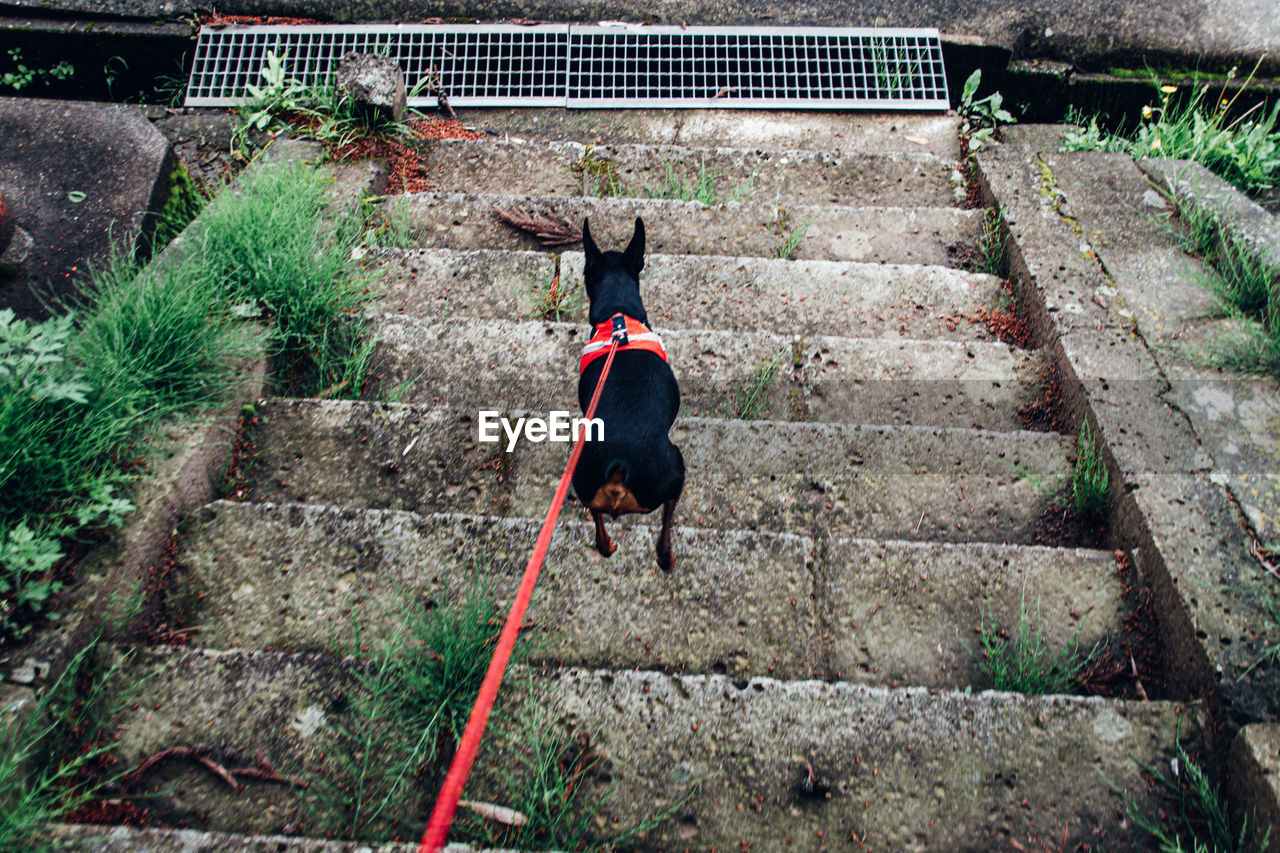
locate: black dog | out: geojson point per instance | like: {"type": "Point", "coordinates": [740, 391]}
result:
{"type": "Point", "coordinates": [635, 468]}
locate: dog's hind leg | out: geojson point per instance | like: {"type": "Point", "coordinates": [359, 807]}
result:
{"type": "Point", "coordinates": [604, 544]}
{"type": "Point", "coordinates": [663, 546]}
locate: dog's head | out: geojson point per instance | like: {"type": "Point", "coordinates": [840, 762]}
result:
{"type": "Point", "coordinates": [613, 278]}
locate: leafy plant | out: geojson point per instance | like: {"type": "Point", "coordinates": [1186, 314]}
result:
{"type": "Point", "coordinates": [1199, 818]}
{"type": "Point", "coordinates": [980, 118]}
{"type": "Point", "coordinates": [1022, 662]}
{"type": "Point", "coordinates": [278, 94]}
{"type": "Point", "coordinates": [1244, 149]}
{"type": "Point", "coordinates": [112, 70]}
{"type": "Point", "coordinates": [1088, 491]}
{"type": "Point", "coordinates": [23, 75]}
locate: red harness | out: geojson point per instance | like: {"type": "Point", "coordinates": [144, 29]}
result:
{"type": "Point", "coordinates": [635, 336]}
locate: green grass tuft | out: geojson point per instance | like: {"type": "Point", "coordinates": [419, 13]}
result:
{"type": "Point", "coordinates": [1244, 283]}
{"type": "Point", "coordinates": [751, 396]}
{"type": "Point", "coordinates": [1198, 822]}
{"type": "Point", "coordinates": [416, 695]}
{"type": "Point", "coordinates": [557, 794]}
{"type": "Point", "coordinates": [992, 244]}
{"type": "Point", "coordinates": [699, 188]}
{"type": "Point", "coordinates": [1022, 662]}
{"type": "Point", "coordinates": [280, 250]}
{"type": "Point", "coordinates": [54, 745]}
{"type": "Point", "coordinates": [1088, 492]}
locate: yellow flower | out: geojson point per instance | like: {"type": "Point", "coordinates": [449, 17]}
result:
{"type": "Point", "coordinates": [1155, 144]}
{"type": "Point", "coordinates": [1168, 90]}
{"type": "Point", "coordinates": [1146, 111]}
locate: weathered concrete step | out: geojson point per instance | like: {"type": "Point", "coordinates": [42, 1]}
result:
{"type": "Point", "coordinates": [774, 129]}
{"type": "Point", "coordinates": [129, 839]}
{"type": "Point", "coordinates": [667, 171]}
{"type": "Point", "coordinates": [705, 292]}
{"type": "Point", "coordinates": [498, 364]}
{"type": "Point", "coordinates": [898, 768]}
{"type": "Point", "coordinates": [298, 578]}
{"type": "Point", "coordinates": [882, 482]}
{"type": "Point", "coordinates": [835, 233]}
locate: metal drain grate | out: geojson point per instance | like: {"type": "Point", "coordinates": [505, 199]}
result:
{"type": "Point", "coordinates": [596, 66]}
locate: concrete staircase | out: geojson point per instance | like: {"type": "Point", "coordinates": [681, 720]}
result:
{"type": "Point", "coordinates": [802, 679]}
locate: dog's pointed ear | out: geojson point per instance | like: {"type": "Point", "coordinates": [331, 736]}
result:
{"type": "Point", "coordinates": [634, 255]}
{"type": "Point", "coordinates": [589, 247]}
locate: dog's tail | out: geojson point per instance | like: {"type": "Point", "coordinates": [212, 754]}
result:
{"type": "Point", "coordinates": [616, 477]}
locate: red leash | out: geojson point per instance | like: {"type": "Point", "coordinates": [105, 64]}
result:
{"type": "Point", "coordinates": [437, 832]}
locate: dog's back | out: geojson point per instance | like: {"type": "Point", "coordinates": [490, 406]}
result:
{"type": "Point", "coordinates": [638, 405]}
{"type": "Point", "coordinates": [635, 468]}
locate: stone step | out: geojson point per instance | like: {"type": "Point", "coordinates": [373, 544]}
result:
{"type": "Point", "coordinates": [741, 763]}
{"type": "Point", "coordinates": [932, 133]}
{"type": "Point", "coordinates": [923, 235]}
{"type": "Point", "coordinates": [498, 364]}
{"type": "Point", "coordinates": [880, 482]}
{"type": "Point", "coordinates": [672, 171]}
{"type": "Point", "coordinates": [299, 578]}
{"type": "Point", "coordinates": [703, 292]}
{"type": "Point", "coordinates": [130, 839]}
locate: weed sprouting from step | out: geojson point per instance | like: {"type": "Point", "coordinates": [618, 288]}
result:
{"type": "Point", "coordinates": [1199, 819]}
{"type": "Point", "coordinates": [56, 759]}
{"type": "Point", "coordinates": [991, 243]}
{"type": "Point", "coordinates": [681, 187]}
{"type": "Point", "coordinates": [416, 693]}
{"type": "Point", "coordinates": [699, 188]}
{"type": "Point", "coordinates": [384, 230]}
{"type": "Point", "coordinates": [555, 797]}
{"type": "Point", "coordinates": [1021, 661]}
{"type": "Point", "coordinates": [1088, 492]}
{"type": "Point", "coordinates": [598, 175]}
{"type": "Point", "coordinates": [1243, 280]}
{"type": "Point", "coordinates": [558, 304]}
{"type": "Point", "coordinates": [980, 118]}
{"type": "Point", "coordinates": [750, 397]}
{"type": "Point", "coordinates": [791, 239]}
{"type": "Point", "coordinates": [1240, 276]}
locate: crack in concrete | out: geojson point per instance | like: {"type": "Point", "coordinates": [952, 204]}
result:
{"type": "Point", "coordinates": [820, 651]}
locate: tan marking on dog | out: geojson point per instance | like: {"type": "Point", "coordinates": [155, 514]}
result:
{"type": "Point", "coordinates": [615, 498]}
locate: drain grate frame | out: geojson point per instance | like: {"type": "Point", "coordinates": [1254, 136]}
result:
{"type": "Point", "coordinates": [596, 66]}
